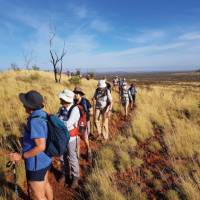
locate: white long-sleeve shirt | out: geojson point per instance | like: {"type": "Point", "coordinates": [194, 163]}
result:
{"type": "Point", "coordinates": [73, 119]}
{"type": "Point", "coordinates": [72, 122]}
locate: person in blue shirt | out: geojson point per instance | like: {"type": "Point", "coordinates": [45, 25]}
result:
{"type": "Point", "coordinates": [133, 92]}
{"type": "Point", "coordinates": [37, 163]}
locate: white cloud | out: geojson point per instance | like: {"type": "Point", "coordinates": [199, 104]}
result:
{"type": "Point", "coordinates": [145, 37]}
{"type": "Point", "coordinates": [82, 44]}
{"type": "Point", "coordinates": [100, 25]}
{"type": "Point", "coordinates": [190, 36]}
{"type": "Point", "coordinates": [172, 56]}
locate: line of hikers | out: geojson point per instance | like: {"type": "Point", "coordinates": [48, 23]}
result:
{"type": "Point", "coordinates": [127, 95]}
{"type": "Point", "coordinates": [74, 113]}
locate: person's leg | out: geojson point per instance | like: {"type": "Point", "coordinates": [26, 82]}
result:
{"type": "Point", "coordinates": [85, 137]}
{"type": "Point", "coordinates": [48, 188]}
{"type": "Point", "coordinates": [134, 99]}
{"type": "Point", "coordinates": [98, 121]}
{"type": "Point", "coordinates": [38, 190]}
{"type": "Point", "coordinates": [86, 141]}
{"type": "Point", "coordinates": [73, 161]}
{"type": "Point", "coordinates": [89, 152]}
{"type": "Point", "coordinates": [88, 128]}
{"type": "Point", "coordinates": [126, 108]}
{"type": "Point", "coordinates": [105, 125]}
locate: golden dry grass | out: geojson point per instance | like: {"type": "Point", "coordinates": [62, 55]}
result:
{"type": "Point", "coordinates": [175, 109]}
{"type": "Point", "coordinates": [13, 116]}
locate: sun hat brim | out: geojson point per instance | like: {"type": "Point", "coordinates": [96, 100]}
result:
{"type": "Point", "coordinates": [66, 98]}
{"type": "Point", "coordinates": [25, 102]}
{"type": "Point", "coordinates": [101, 85]}
{"type": "Point", "coordinates": [79, 92]}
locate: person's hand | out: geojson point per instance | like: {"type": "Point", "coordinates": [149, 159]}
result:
{"type": "Point", "coordinates": [15, 156]}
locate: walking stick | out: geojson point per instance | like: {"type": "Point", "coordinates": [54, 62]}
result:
{"type": "Point", "coordinates": [93, 107]}
{"type": "Point", "coordinates": [12, 165]}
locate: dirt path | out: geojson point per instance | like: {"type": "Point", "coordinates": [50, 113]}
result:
{"type": "Point", "coordinates": [63, 193]}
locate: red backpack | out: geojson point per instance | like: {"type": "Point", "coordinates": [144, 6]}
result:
{"type": "Point", "coordinates": [82, 122]}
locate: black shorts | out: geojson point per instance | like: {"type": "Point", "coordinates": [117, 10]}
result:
{"type": "Point", "coordinates": [37, 175]}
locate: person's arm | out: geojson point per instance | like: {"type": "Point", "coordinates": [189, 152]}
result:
{"type": "Point", "coordinates": [38, 134]}
{"type": "Point", "coordinates": [109, 107]}
{"type": "Point", "coordinates": [40, 147]}
{"type": "Point", "coordinates": [130, 96]}
{"type": "Point", "coordinates": [94, 96]}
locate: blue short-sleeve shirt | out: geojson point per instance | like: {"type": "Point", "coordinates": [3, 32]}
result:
{"type": "Point", "coordinates": [36, 128]}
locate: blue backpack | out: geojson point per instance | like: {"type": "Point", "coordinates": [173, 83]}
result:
{"type": "Point", "coordinates": [58, 136]}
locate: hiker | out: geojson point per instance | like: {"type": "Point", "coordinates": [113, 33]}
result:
{"type": "Point", "coordinates": [125, 97]}
{"type": "Point", "coordinates": [37, 163]}
{"type": "Point", "coordinates": [70, 115]}
{"type": "Point", "coordinates": [120, 82]}
{"type": "Point", "coordinates": [124, 81]}
{"type": "Point", "coordinates": [108, 85]}
{"type": "Point", "coordinates": [103, 106]}
{"type": "Point", "coordinates": [115, 83]}
{"type": "Point", "coordinates": [82, 101]}
{"type": "Point", "coordinates": [133, 92]}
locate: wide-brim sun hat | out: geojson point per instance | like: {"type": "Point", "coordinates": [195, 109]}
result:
{"type": "Point", "coordinates": [32, 99]}
{"type": "Point", "coordinates": [67, 96]}
{"type": "Point", "coordinates": [101, 84]}
{"type": "Point", "coordinates": [79, 91]}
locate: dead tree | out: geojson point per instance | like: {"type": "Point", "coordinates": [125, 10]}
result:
{"type": "Point", "coordinates": [57, 61]}
{"type": "Point", "coordinates": [28, 58]}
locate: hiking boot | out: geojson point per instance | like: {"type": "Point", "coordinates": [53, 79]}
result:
{"type": "Point", "coordinates": [74, 184]}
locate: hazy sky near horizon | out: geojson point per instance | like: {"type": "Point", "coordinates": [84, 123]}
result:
{"type": "Point", "coordinates": [137, 35]}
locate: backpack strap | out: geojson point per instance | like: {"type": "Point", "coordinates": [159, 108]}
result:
{"type": "Point", "coordinates": [40, 117]}
{"type": "Point", "coordinates": [70, 111]}
{"type": "Point", "coordinates": [81, 110]}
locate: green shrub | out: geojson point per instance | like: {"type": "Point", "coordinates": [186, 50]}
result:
{"type": "Point", "coordinates": [75, 80]}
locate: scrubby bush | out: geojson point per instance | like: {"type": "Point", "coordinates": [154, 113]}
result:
{"type": "Point", "coordinates": [75, 80]}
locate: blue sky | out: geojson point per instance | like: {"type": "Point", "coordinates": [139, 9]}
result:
{"type": "Point", "coordinates": [128, 35]}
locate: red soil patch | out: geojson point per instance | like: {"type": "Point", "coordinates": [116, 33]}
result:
{"type": "Point", "coordinates": [63, 193]}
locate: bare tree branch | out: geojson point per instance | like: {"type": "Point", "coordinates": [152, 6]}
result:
{"type": "Point", "coordinates": [55, 59]}
{"type": "Point", "coordinates": [28, 58]}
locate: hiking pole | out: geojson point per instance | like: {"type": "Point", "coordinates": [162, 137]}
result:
{"type": "Point", "coordinates": [93, 107]}
{"type": "Point", "coordinates": [12, 165]}
{"type": "Point", "coordinates": [15, 180]}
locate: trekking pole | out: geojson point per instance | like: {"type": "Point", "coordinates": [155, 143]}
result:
{"type": "Point", "coordinates": [93, 117]}
{"type": "Point", "coordinates": [15, 180]}
{"type": "Point", "coordinates": [12, 165]}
